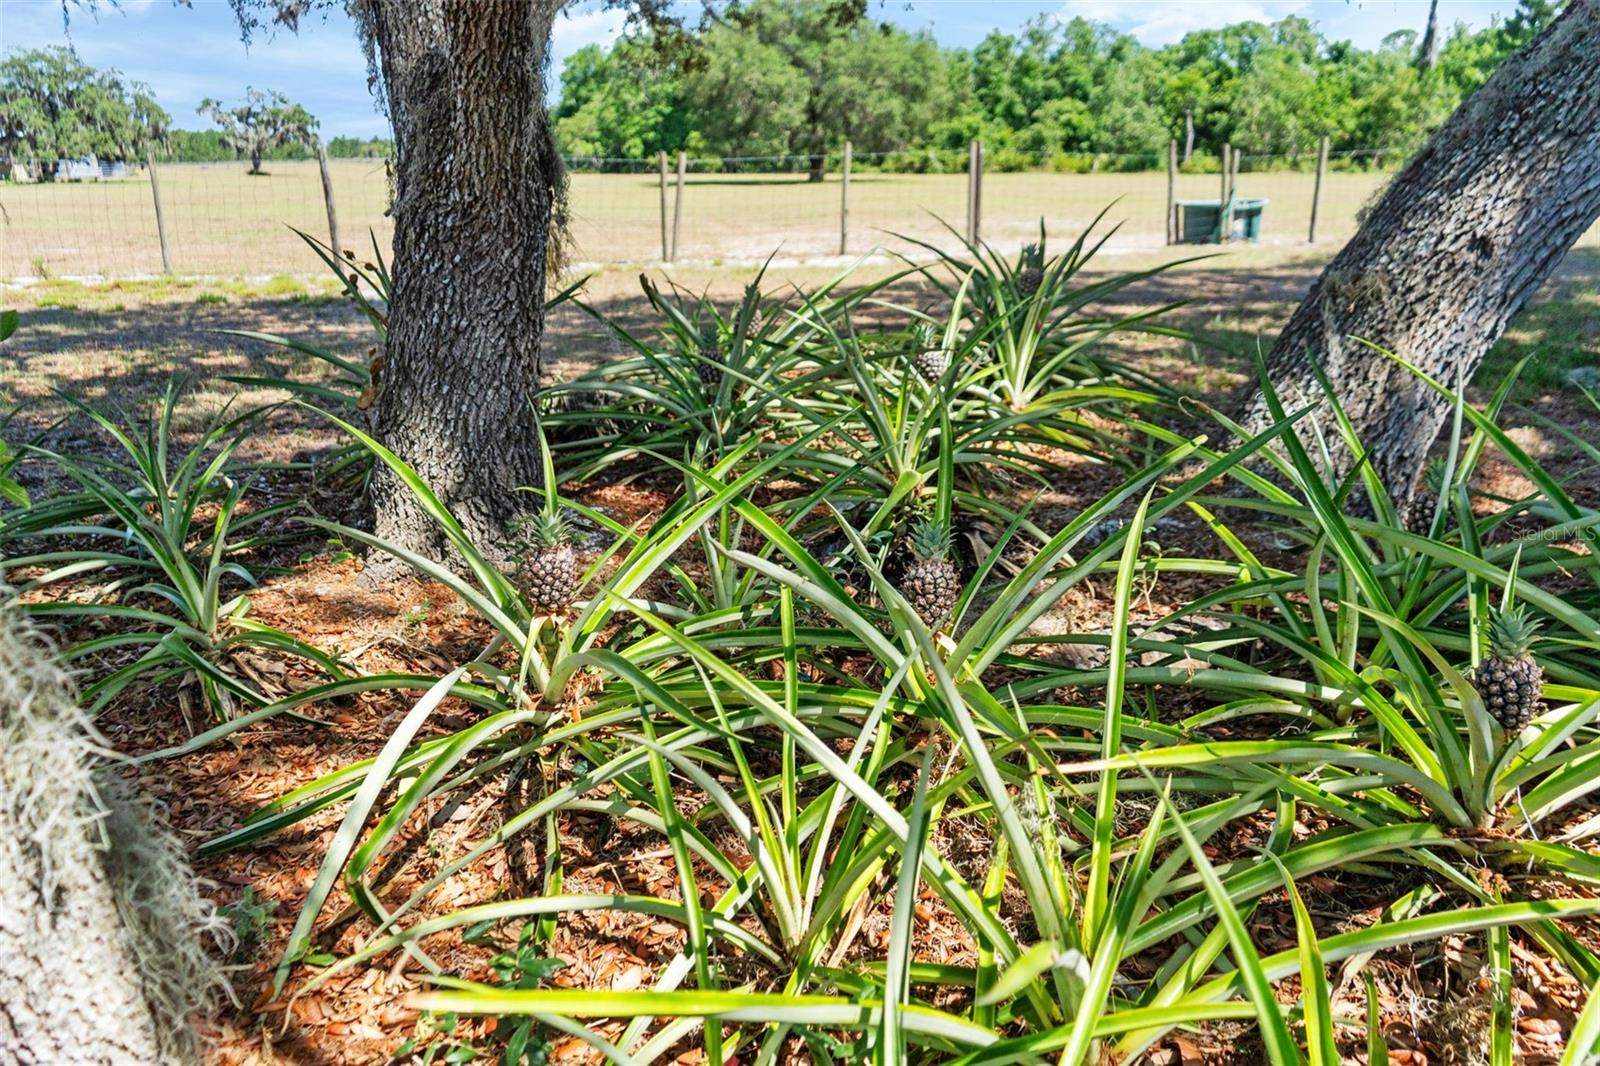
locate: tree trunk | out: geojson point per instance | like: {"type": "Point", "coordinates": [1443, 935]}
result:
{"type": "Point", "coordinates": [1428, 53]}
{"type": "Point", "coordinates": [255, 160]}
{"type": "Point", "coordinates": [477, 173]}
{"type": "Point", "coordinates": [1188, 133]}
{"type": "Point", "coordinates": [818, 167]}
{"type": "Point", "coordinates": [1461, 239]}
{"type": "Point", "coordinates": [100, 917]}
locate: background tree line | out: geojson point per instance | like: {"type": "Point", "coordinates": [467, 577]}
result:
{"type": "Point", "coordinates": [209, 146]}
{"type": "Point", "coordinates": [797, 78]}
{"type": "Point", "coordinates": [55, 107]}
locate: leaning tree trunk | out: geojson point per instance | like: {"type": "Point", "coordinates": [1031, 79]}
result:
{"type": "Point", "coordinates": [476, 173]}
{"type": "Point", "coordinates": [1460, 240]}
{"type": "Point", "coordinates": [100, 916]}
{"type": "Point", "coordinates": [1428, 53]}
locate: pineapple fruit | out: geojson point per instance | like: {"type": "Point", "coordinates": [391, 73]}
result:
{"type": "Point", "coordinates": [709, 367]}
{"type": "Point", "coordinates": [1509, 680]}
{"type": "Point", "coordinates": [931, 582]}
{"type": "Point", "coordinates": [1030, 275]}
{"type": "Point", "coordinates": [550, 572]}
{"type": "Point", "coordinates": [930, 357]}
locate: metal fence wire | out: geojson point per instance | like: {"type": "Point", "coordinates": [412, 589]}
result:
{"type": "Point", "coordinates": [222, 221]}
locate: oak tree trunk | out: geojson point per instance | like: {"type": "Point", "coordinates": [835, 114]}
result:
{"type": "Point", "coordinates": [1460, 240]}
{"type": "Point", "coordinates": [476, 172]}
{"type": "Point", "coordinates": [255, 160]}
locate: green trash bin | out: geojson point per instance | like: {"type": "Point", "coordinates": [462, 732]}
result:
{"type": "Point", "coordinates": [1200, 220]}
{"type": "Point", "coordinates": [1247, 219]}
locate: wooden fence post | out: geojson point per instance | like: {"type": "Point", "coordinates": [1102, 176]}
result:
{"type": "Point", "coordinates": [971, 146]}
{"type": "Point", "coordinates": [1172, 192]}
{"type": "Point", "coordinates": [1233, 183]}
{"type": "Point", "coordinates": [844, 203]}
{"type": "Point", "coordinates": [974, 191]}
{"type": "Point", "coordinates": [1227, 191]}
{"type": "Point", "coordinates": [327, 199]}
{"type": "Point", "coordinates": [1316, 190]}
{"type": "Point", "coordinates": [677, 204]}
{"type": "Point", "coordinates": [161, 218]}
{"type": "Point", "coordinates": [666, 249]}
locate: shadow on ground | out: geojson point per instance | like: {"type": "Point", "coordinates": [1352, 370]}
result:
{"type": "Point", "coordinates": [121, 346]}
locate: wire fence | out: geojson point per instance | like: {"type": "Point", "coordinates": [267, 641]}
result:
{"type": "Point", "coordinates": [222, 221]}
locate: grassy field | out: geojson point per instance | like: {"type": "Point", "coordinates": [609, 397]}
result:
{"type": "Point", "coordinates": [221, 221]}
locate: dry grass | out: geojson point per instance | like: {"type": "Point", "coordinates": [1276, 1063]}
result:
{"type": "Point", "coordinates": [222, 221]}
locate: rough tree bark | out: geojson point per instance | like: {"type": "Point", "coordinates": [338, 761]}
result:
{"type": "Point", "coordinates": [1460, 240]}
{"type": "Point", "coordinates": [476, 173]}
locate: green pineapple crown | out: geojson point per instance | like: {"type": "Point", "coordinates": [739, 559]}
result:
{"type": "Point", "coordinates": [1433, 475]}
{"type": "Point", "coordinates": [1511, 632]}
{"type": "Point", "coordinates": [1033, 256]}
{"type": "Point", "coordinates": [930, 541]}
{"type": "Point", "coordinates": [709, 339]}
{"type": "Point", "coordinates": [549, 529]}
{"type": "Point", "coordinates": [924, 337]}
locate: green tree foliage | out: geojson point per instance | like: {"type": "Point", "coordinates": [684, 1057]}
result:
{"type": "Point", "coordinates": [265, 120]}
{"type": "Point", "coordinates": [359, 148]}
{"type": "Point", "coordinates": [209, 146]}
{"type": "Point", "coordinates": [623, 104]}
{"type": "Point", "coordinates": [797, 77]}
{"type": "Point", "coordinates": [776, 77]}
{"type": "Point", "coordinates": [55, 107]}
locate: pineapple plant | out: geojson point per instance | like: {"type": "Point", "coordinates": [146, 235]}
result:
{"type": "Point", "coordinates": [1509, 680]}
{"type": "Point", "coordinates": [1030, 274]}
{"type": "Point", "coordinates": [931, 583]}
{"type": "Point", "coordinates": [550, 570]}
{"type": "Point", "coordinates": [930, 357]}
{"type": "Point", "coordinates": [709, 366]}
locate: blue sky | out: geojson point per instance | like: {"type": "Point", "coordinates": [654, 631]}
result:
{"type": "Point", "coordinates": [189, 53]}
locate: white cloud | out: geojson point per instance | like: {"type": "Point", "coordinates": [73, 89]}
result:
{"type": "Point", "coordinates": [1159, 22]}
{"type": "Point", "coordinates": [578, 28]}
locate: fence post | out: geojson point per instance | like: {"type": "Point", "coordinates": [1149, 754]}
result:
{"type": "Point", "coordinates": [1172, 192]}
{"type": "Point", "coordinates": [974, 191]}
{"type": "Point", "coordinates": [677, 204]}
{"type": "Point", "coordinates": [844, 202]}
{"type": "Point", "coordinates": [1227, 190]}
{"type": "Point", "coordinates": [327, 199]}
{"type": "Point", "coordinates": [1233, 183]}
{"type": "Point", "coordinates": [161, 218]}
{"type": "Point", "coordinates": [971, 151]}
{"type": "Point", "coordinates": [1316, 190]}
{"type": "Point", "coordinates": [666, 249]}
